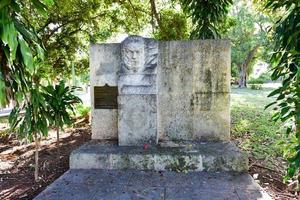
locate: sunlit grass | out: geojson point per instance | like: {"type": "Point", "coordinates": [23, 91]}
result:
{"type": "Point", "coordinates": [252, 125]}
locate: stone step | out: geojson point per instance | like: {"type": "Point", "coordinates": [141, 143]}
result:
{"type": "Point", "coordinates": [182, 157]}
{"type": "Point", "coordinates": [137, 185]}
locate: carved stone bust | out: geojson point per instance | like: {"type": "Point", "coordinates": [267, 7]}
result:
{"type": "Point", "coordinates": [139, 55]}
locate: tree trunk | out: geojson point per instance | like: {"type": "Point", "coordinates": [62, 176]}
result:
{"type": "Point", "coordinates": [155, 13]}
{"type": "Point", "coordinates": [36, 158]}
{"type": "Point", "coordinates": [243, 68]}
{"type": "Point", "coordinates": [57, 136]}
{"type": "Point", "coordinates": [57, 141]}
{"type": "Point", "coordinates": [242, 79]}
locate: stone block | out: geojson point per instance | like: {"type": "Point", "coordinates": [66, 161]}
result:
{"type": "Point", "coordinates": [211, 125]}
{"type": "Point", "coordinates": [186, 156]}
{"type": "Point", "coordinates": [175, 71]}
{"type": "Point", "coordinates": [193, 116]}
{"type": "Point", "coordinates": [211, 62]}
{"type": "Point", "coordinates": [137, 120]}
{"type": "Point", "coordinates": [104, 64]}
{"type": "Point", "coordinates": [198, 66]}
{"type": "Point", "coordinates": [104, 124]}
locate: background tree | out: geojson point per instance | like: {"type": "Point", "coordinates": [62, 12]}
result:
{"type": "Point", "coordinates": [70, 27]}
{"type": "Point", "coordinates": [250, 39]}
{"type": "Point", "coordinates": [173, 25]}
{"type": "Point", "coordinates": [207, 17]}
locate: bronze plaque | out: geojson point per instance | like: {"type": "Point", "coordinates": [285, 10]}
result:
{"type": "Point", "coordinates": [105, 97]}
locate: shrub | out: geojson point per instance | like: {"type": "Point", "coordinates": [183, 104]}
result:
{"type": "Point", "coordinates": [256, 86]}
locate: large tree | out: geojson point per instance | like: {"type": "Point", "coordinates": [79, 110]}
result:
{"type": "Point", "coordinates": [249, 38]}
{"type": "Point", "coordinates": [72, 25]}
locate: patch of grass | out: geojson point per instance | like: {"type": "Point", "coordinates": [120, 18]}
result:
{"type": "Point", "coordinates": [3, 120]}
{"type": "Point", "coordinates": [82, 110]}
{"type": "Point", "coordinates": [4, 126]}
{"type": "Point", "coordinates": [253, 127]}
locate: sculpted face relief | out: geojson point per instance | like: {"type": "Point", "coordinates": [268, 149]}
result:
{"type": "Point", "coordinates": [133, 55]}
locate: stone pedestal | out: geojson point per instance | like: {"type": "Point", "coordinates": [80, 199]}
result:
{"type": "Point", "coordinates": [137, 120]}
{"type": "Point", "coordinates": [180, 157]}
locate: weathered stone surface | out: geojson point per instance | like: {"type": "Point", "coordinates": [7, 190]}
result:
{"type": "Point", "coordinates": [137, 120]}
{"type": "Point", "coordinates": [211, 61]}
{"type": "Point", "coordinates": [193, 82]}
{"type": "Point", "coordinates": [137, 92]}
{"type": "Point", "coordinates": [134, 185]}
{"type": "Point", "coordinates": [104, 123]}
{"type": "Point", "coordinates": [187, 156]}
{"type": "Point", "coordinates": [104, 65]}
{"type": "Point", "coordinates": [198, 66]}
{"type": "Point", "coordinates": [137, 84]}
{"type": "Point", "coordinates": [139, 55]}
{"type": "Point", "coordinates": [193, 116]}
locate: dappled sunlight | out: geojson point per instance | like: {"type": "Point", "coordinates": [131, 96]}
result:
{"type": "Point", "coordinates": [255, 132]}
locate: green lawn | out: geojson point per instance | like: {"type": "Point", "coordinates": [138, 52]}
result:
{"type": "Point", "coordinates": [253, 128]}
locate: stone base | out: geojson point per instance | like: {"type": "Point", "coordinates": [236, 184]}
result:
{"type": "Point", "coordinates": [181, 157]}
{"type": "Point", "coordinates": [138, 185]}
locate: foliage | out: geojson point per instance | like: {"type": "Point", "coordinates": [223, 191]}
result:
{"type": "Point", "coordinates": [21, 53]}
{"type": "Point", "coordinates": [60, 100]}
{"type": "Point", "coordinates": [253, 128]}
{"type": "Point", "coordinates": [206, 16]}
{"type": "Point", "coordinates": [173, 26]}
{"type": "Point", "coordinates": [19, 47]}
{"type": "Point", "coordinates": [256, 86]}
{"type": "Point", "coordinates": [266, 76]}
{"type": "Point", "coordinates": [71, 25]}
{"type": "Point", "coordinates": [34, 120]}
{"type": "Point", "coordinates": [263, 78]}
{"type": "Point", "coordinates": [33, 123]}
{"type": "Point", "coordinates": [82, 111]}
{"type": "Point", "coordinates": [255, 81]}
{"type": "Point", "coordinates": [286, 65]}
{"type": "Point", "coordinates": [250, 39]}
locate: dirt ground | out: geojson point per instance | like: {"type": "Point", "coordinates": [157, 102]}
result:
{"type": "Point", "coordinates": [272, 181]}
{"type": "Point", "coordinates": [17, 163]}
{"type": "Point", "coordinates": [17, 179]}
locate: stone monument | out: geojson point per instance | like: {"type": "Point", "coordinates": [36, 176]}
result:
{"type": "Point", "coordinates": [165, 103]}
{"type": "Point", "coordinates": [137, 119]}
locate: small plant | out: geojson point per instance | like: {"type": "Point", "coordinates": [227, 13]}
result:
{"type": "Point", "coordinates": [60, 100]}
{"type": "Point", "coordinates": [256, 86]}
{"type": "Point", "coordinates": [255, 81]}
{"type": "Point", "coordinates": [82, 111]}
{"type": "Point", "coordinates": [33, 123]}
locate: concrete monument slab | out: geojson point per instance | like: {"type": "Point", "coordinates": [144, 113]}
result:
{"type": "Point", "coordinates": [168, 92]}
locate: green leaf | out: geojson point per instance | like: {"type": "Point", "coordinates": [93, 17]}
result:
{"type": "Point", "coordinates": [15, 6]}
{"type": "Point", "coordinates": [2, 91]}
{"type": "Point", "coordinates": [277, 91]}
{"type": "Point", "coordinates": [48, 2]}
{"type": "Point", "coordinates": [8, 33]}
{"type": "Point", "coordinates": [41, 8]}
{"type": "Point", "coordinates": [26, 54]}
{"type": "Point", "coordinates": [4, 3]}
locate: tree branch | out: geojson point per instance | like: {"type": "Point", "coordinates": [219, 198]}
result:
{"type": "Point", "coordinates": [155, 14]}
